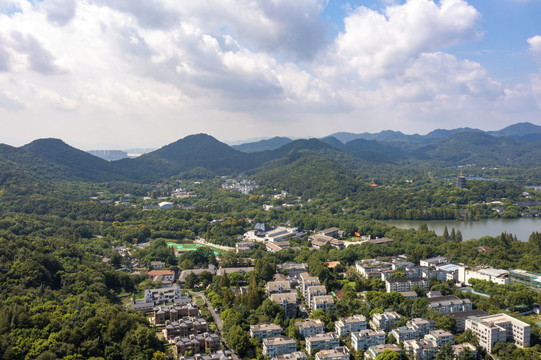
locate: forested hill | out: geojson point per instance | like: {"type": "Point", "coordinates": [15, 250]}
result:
{"type": "Point", "coordinates": [52, 159]}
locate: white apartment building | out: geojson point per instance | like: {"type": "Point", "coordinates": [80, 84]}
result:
{"type": "Point", "coordinates": [374, 351]}
{"type": "Point", "coordinates": [498, 276]}
{"type": "Point", "coordinates": [363, 339]}
{"type": "Point", "coordinates": [279, 346]}
{"type": "Point", "coordinates": [265, 331]}
{"type": "Point", "coordinates": [323, 302]}
{"type": "Point", "coordinates": [308, 280]}
{"type": "Point", "coordinates": [435, 261]}
{"type": "Point", "coordinates": [449, 304]}
{"type": "Point", "coordinates": [277, 287]}
{"type": "Point", "coordinates": [288, 301]}
{"type": "Point", "coordinates": [372, 267]}
{"type": "Point", "coordinates": [421, 325]}
{"type": "Point", "coordinates": [316, 290]}
{"type": "Point", "coordinates": [406, 284]}
{"type": "Point", "coordinates": [162, 295]}
{"type": "Point", "coordinates": [440, 337]}
{"type": "Point", "coordinates": [339, 353]}
{"type": "Point", "coordinates": [500, 327]}
{"type": "Point", "coordinates": [421, 349]}
{"type": "Point", "coordinates": [384, 321]}
{"type": "Point", "coordinates": [346, 325]}
{"type": "Point", "coordinates": [403, 333]}
{"type": "Point", "coordinates": [324, 341]}
{"type": "Point", "coordinates": [309, 328]}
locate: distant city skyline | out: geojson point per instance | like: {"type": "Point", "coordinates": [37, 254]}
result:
{"type": "Point", "coordinates": [144, 73]}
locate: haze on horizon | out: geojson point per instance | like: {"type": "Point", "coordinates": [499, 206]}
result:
{"type": "Point", "coordinates": [144, 73]}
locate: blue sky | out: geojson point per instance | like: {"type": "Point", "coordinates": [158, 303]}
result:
{"type": "Point", "coordinates": [126, 73]}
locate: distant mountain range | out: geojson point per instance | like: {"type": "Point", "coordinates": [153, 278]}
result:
{"type": "Point", "coordinates": [279, 160]}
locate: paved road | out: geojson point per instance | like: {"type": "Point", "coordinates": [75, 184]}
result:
{"type": "Point", "coordinates": [217, 320]}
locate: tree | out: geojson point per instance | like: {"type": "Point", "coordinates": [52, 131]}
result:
{"type": "Point", "coordinates": [191, 280]}
{"type": "Point", "coordinates": [238, 339]}
{"type": "Point", "coordinates": [388, 355]}
{"type": "Point", "coordinates": [458, 237]}
{"type": "Point", "coordinates": [446, 353]}
{"type": "Point", "coordinates": [445, 233]}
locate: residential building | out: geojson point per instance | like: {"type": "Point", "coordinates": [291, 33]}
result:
{"type": "Point", "coordinates": [297, 355]}
{"type": "Point", "coordinates": [165, 276]}
{"type": "Point", "coordinates": [374, 351]}
{"type": "Point", "coordinates": [420, 349]}
{"type": "Point", "coordinates": [460, 348]}
{"type": "Point", "coordinates": [403, 333]}
{"type": "Point", "coordinates": [318, 241]}
{"type": "Point", "coordinates": [339, 353]}
{"type": "Point", "coordinates": [143, 306]}
{"type": "Point", "coordinates": [332, 232]}
{"type": "Point", "coordinates": [174, 312]}
{"type": "Point", "coordinates": [163, 295]}
{"type": "Point", "coordinates": [185, 327]}
{"type": "Point", "coordinates": [435, 261]}
{"type": "Point", "coordinates": [406, 284]}
{"type": "Point", "coordinates": [294, 268]}
{"type": "Point", "coordinates": [244, 246]}
{"type": "Point", "coordinates": [402, 265]}
{"type": "Point", "coordinates": [421, 325]}
{"type": "Point", "coordinates": [440, 337]}
{"type": "Point", "coordinates": [500, 327]}
{"type": "Point", "coordinates": [439, 275]}
{"type": "Point", "coordinates": [323, 302]}
{"type": "Point", "coordinates": [449, 304]}
{"type": "Point", "coordinates": [279, 346]}
{"type": "Point", "coordinates": [411, 295]}
{"type": "Point", "coordinates": [460, 318]}
{"type": "Point", "coordinates": [198, 343]}
{"type": "Point", "coordinates": [277, 246]}
{"type": "Point", "coordinates": [384, 321]}
{"type": "Point", "coordinates": [346, 325]}
{"type": "Point", "coordinates": [321, 342]}
{"type": "Point", "coordinates": [363, 339]}
{"type": "Point", "coordinates": [317, 290]}
{"type": "Point", "coordinates": [308, 280]}
{"type": "Point", "coordinates": [288, 301]}
{"type": "Point", "coordinates": [528, 278]}
{"type": "Point", "coordinates": [155, 265]}
{"type": "Point", "coordinates": [265, 331]}
{"type": "Point", "coordinates": [372, 267]}
{"type": "Point", "coordinates": [378, 241]}
{"type": "Point", "coordinates": [451, 271]}
{"type": "Point", "coordinates": [217, 355]}
{"type": "Point", "coordinates": [278, 287]}
{"type": "Point", "coordinates": [498, 276]}
{"type": "Point", "coordinates": [309, 328]}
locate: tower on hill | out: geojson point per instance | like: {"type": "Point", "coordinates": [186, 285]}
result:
{"type": "Point", "coordinates": [461, 181]}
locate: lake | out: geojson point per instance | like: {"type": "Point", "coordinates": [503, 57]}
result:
{"type": "Point", "coordinates": [521, 227]}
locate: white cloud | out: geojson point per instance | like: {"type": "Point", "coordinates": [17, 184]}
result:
{"type": "Point", "coordinates": [535, 47]}
{"type": "Point", "coordinates": [376, 44]}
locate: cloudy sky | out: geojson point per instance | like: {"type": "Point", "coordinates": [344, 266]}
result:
{"type": "Point", "coordinates": [109, 74]}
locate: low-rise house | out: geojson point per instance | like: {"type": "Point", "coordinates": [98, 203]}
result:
{"type": "Point", "coordinates": [278, 287]}
{"type": "Point", "coordinates": [363, 339]}
{"type": "Point", "coordinates": [406, 284]}
{"type": "Point", "coordinates": [174, 312]}
{"type": "Point", "coordinates": [265, 331]}
{"type": "Point", "coordinates": [323, 302]}
{"type": "Point", "coordinates": [374, 351]}
{"type": "Point", "coordinates": [288, 301]}
{"type": "Point", "coordinates": [384, 321]}
{"type": "Point", "coordinates": [218, 355]}
{"type": "Point", "coordinates": [460, 348]}
{"type": "Point", "coordinates": [309, 328]}
{"type": "Point", "coordinates": [294, 268]}
{"type": "Point", "coordinates": [185, 327]}
{"type": "Point", "coordinates": [372, 267]}
{"type": "Point", "coordinates": [317, 290]}
{"type": "Point", "coordinates": [411, 295]}
{"type": "Point", "coordinates": [449, 304]}
{"type": "Point", "coordinates": [279, 346]}
{"type": "Point", "coordinates": [498, 276]}
{"type": "Point", "coordinates": [420, 349]}
{"type": "Point", "coordinates": [339, 353]}
{"type": "Point", "coordinates": [422, 326]}
{"type": "Point", "coordinates": [332, 232]}
{"type": "Point", "coordinates": [163, 295]}
{"type": "Point", "coordinates": [143, 306]}
{"type": "Point", "coordinates": [500, 327]}
{"type": "Point", "coordinates": [403, 333]}
{"type": "Point", "coordinates": [297, 355]}
{"type": "Point", "coordinates": [155, 265]}
{"type": "Point", "coordinates": [197, 344]}
{"type": "Point", "coordinates": [440, 337]}
{"type": "Point", "coordinates": [435, 261]}
{"type": "Point", "coordinates": [460, 318]}
{"type": "Point", "coordinates": [321, 342]}
{"type": "Point", "coordinates": [244, 246]}
{"type": "Point", "coordinates": [277, 246]}
{"type": "Point", "coordinates": [346, 325]}
{"type": "Point", "coordinates": [165, 276]}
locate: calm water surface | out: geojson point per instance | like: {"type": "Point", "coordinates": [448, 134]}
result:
{"type": "Point", "coordinates": [522, 227]}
